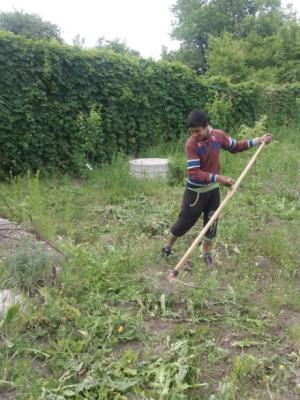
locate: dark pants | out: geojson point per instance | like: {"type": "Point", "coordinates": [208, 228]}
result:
{"type": "Point", "coordinates": [193, 204]}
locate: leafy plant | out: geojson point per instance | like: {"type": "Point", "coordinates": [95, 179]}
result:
{"type": "Point", "coordinates": [100, 104]}
{"type": "Point", "coordinates": [28, 267]}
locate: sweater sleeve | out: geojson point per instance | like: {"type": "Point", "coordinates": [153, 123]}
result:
{"type": "Point", "coordinates": [195, 173]}
{"type": "Point", "coordinates": [234, 146]}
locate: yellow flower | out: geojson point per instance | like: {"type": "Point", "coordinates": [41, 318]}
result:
{"type": "Point", "coordinates": [120, 329]}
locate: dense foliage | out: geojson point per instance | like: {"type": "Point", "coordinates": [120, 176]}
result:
{"type": "Point", "coordinates": [62, 106]}
{"type": "Point", "coordinates": [239, 39]}
{"type": "Point", "coordinates": [49, 92]}
{"type": "Point", "coordinates": [29, 25]}
{"type": "Point", "coordinates": [117, 45]}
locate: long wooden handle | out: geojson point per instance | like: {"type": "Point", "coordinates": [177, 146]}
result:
{"type": "Point", "coordinates": [217, 212]}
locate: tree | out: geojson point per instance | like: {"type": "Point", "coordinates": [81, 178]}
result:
{"type": "Point", "coordinates": [227, 57]}
{"type": "Point", "coordinates": [274, 58]}
{"type": "Point", "coordinates": [29, 25]}
{"type": "Point", "coordinates": [197, 20]}
{"type": "Point", "coordinates": [117, 45]}
{"type": "Point", "coordinates": [79, 41]}
{"type": "Point", "coordinates": [187, 55]}
{"type": "Point", "coordinates": [288, 54]}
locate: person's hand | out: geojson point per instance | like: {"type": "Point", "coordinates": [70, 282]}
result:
{"type": "Point", "coordinates": [225, 180]}
{"type": "Point", "coordinates": [266, 138]}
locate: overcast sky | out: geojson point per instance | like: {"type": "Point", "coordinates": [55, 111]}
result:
{"type": "Point", "coordinates": [144, 24]}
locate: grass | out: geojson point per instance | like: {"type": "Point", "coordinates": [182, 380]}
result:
{"type": "Point", "coordinates": [109, 329]}
{"type": "Point", "coordinates": [27, 267]}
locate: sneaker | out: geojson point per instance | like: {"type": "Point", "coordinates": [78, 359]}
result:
{"type": "Point", "coordinates": [165, 252]}
{"type": "Point", "coordinates": [207, 258]}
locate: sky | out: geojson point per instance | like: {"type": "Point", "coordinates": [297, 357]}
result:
{"type": "Point", "coordinates": [145, 25]}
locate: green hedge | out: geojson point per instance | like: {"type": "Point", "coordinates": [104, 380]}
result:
{"type": "Point", "coordinates": [49, 93]}
{"type": "Point", "coordinates": [60, 105]}
{"type": "Point", "coordinates": [247, 102]}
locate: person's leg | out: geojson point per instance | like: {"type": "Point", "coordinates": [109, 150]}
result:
{"type": "Point", "coordinates": [171, 239]}
{"type": "Point", "coordinates": [207, 245]}
{"type": "Point", "coordinates": [166, 250]}
{"type": "Point", "coordinates": [191, 209]}
{"type": "Point", "coordinates": [208, 242]}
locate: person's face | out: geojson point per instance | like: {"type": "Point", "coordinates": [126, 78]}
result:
{"type": "Point", "coordinates": [200, 132]}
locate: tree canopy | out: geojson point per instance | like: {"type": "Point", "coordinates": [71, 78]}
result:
{"type": "Point", "coordinates": [29, 25]}
{"type": "Point", "coordinates": [237, 38]}
{"type": "Point", "coordinates": [117, 45]}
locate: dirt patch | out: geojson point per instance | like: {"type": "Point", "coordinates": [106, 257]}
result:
{"type": "Point", "coordinates": [180, 308]}
{"type": "Point", "coordinates": [257, 297]}
{"type": "Point", "coordinates": [262, 262]}
{"type": "Point", "coordinates": [288, 321]}
{"type": "Point", "coordinates": [288, 318]}
{"type": "Point", "coordinates": [7, 395]}
{"type": "Point", "coordinates": [12, 234]}
{"type": "Point", "coordinates": [133, 346]}
{"type": "Point", "coordinates": [266, 269]}
{"type": "Point", "coordinates": [273, 221]}
{"type": "Point", "coordinates": [240, 343]}
{"type": "Point", "coordinates": [227, 338]}
{"type": "Point", "coordinates": [40, 367]}
{"type": "Point", "coordinates": [156, 278]}
{"type": "Point", "coordinates": [159, 327]}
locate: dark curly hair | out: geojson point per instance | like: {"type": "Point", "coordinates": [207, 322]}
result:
{"type": "Point", "coordinates": [197, 118]}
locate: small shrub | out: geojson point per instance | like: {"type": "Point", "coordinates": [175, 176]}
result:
{"type": "Point", "coordinates": [27, 268]}
{"type": "Point", "coordinates": [220, 112]}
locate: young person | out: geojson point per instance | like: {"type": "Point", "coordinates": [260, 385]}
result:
{"type": "Point", "coordinates": [202, 194]}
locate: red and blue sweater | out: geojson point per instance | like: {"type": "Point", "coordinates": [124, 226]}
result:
{"type": "Point", "coordinates": [203, 163]}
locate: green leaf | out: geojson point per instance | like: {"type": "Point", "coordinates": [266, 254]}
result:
{"type": "Point", "coordinates": [163, 303]}
{"type": "Point", "coordinates": [122, 385]}
{"type": "Point", "coordinates": [11, 313]}
{"type": "Point", "coordinates": [69, 393]}
{"type": "Point", "coordinates": [245, 343]}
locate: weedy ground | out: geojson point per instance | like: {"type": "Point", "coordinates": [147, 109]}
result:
{"type": "Point", "coordinates": [111, 328]}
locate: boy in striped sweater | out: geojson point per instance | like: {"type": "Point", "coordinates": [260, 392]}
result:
{"type": "Point", "coordinates": [202, 194]}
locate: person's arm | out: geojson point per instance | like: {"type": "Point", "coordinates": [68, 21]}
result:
{"type": "Point", "coordinates": [197, 174]}
{"type": "Point", "coordinates": [234, 146]}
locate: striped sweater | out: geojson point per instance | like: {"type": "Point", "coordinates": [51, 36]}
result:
{"type": "Point", "coordinates": [203, 163]}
